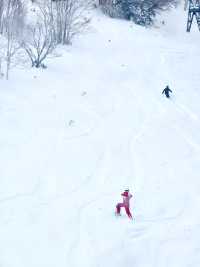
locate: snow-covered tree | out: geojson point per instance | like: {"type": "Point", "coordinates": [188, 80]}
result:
{"type": "Point", "coordinates": [142, 12]}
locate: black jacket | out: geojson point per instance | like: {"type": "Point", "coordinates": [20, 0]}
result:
{"type": "Point", "coordinates": [166, 90]}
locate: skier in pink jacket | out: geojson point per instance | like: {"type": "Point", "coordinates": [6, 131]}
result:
{"type": "Point", "coordinates": [126, 198]}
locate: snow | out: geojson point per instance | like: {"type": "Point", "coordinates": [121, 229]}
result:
{"type": "Point", "coordinates": [75, 135]}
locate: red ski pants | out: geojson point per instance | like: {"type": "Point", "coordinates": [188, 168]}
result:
{"type": "Point", "coordinates": [122, 205]}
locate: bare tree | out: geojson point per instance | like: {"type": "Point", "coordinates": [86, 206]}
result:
{"type": "Point", "coordinates": [2, 55]}
{"type": "Point", "coordinates": [13, 21]}
{"type": "Point", "coordinates": [69, 18]}
{"type": "Point", "coordinates": [39, 39]}
{"type": "Point", "coordinates": [1, 15]}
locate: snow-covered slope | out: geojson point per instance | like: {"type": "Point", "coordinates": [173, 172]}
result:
{"type": "Point", "coordinates": [74, 135]}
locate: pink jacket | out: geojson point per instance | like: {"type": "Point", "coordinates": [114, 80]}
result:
{"type": "Point", "coordinates": [126, 198]}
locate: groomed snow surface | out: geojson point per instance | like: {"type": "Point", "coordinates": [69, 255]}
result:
{"type": "Point", "coordinates": [75, 135]}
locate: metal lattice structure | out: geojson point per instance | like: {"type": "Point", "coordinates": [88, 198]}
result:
{"type": "Point", "coordinates": [193, 11]}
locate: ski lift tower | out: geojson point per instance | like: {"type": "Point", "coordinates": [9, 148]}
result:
{"type": "Point", "coordinates": [193, 11]}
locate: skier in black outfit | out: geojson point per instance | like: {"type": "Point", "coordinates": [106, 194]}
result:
{"type": "Point", "coordinates": [166, 91]}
